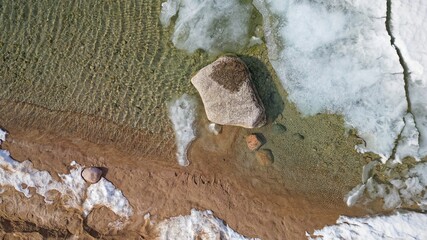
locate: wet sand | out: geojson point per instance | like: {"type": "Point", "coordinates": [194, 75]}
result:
{"type": "Point", "coordinates": [223, 176]}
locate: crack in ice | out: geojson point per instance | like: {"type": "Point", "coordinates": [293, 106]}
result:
{"type": "Point", "coordinates": [406, 78]}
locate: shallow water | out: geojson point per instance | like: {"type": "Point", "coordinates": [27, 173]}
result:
{"type": "Point", "coordinates": [109, 59]}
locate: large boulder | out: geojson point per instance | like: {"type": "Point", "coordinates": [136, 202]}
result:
{"type": "Point", "coordinates": [228, 93]}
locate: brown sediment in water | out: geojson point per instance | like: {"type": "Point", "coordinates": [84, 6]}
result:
{"type": "Point", "coordinates": [223, 176]}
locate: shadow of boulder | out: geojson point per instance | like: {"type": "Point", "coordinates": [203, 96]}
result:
{"type": "Point", "coordinates": [104, 171]}
{"type": "Point", "coordinates": [265, 86]}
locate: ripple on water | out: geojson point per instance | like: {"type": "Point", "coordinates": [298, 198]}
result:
{"type": "Point", "coordinates": [111, 60]}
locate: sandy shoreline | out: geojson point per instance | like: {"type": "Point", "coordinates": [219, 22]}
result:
{"type": "Point", "coordinates": [222, 177]}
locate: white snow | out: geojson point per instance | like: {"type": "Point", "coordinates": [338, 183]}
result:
{"type": "Point", "coordinates": [352, 197]}
{"type": "Point", "coordinates": [409, 188]}
{"type": "Point", "coordinates": [213, 26]}
{"type": "Point", "coordinates": [2, 135]}
{"type": "Point", "coordinates": [169, 9]}
{"type": "Point", "coordinates": [104, 193]}
{"type": "Point", "coordinates": [198, 225]}
{"type": "Point", "coordinates": [22, 176]}
{"type": "Point", "coordinates": [408, 144]}
{"type": "Point", "coordinates": [336, 57]}
{"type": "Point", "coordinates": [367, 170]}
{"type": "Point", "coordinates": [407, 225]}
{"type": "Point", "coordinates": [214, 128]}
{"type": "Point", "coordinates": [182, 113]}
{"type": "Point", "coordinates": [410, 32]}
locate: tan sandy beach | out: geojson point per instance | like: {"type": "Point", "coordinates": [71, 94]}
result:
{"type": "Point", "coordinates": [223, 176]}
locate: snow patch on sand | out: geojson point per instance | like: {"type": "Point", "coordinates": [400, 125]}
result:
{"type": "Point", "coordinates": [182, 113]}
{"type": "Point", "coordinates": [409, 225]}
{"type": "Point", "coordinates": [104, 193]}
{"type": "Point", "coordinates": [2, 135]}
{"type": "Point", "coordinates": [213, 26]}
{"type": "Point", "coordinates": [198, 225]}
{"type": "Point", "coordinates": [22, 176]}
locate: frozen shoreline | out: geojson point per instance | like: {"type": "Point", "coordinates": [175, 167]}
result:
{"type": "Point", "coordinates": [405, 225]}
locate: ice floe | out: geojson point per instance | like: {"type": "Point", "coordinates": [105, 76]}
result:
{"type": "Point", "coordinates": [182, 113]}
{"type": "Point", "coordinates": [336, 57]}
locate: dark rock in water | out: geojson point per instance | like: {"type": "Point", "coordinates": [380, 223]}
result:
{"type": "Point", "coordinates": [228, 93]}
{"type": "Point", "coordinates": [264, 157]}
{"type": "Point", "coordinates": [279, 128]}
{"type": "Point", "coordinates": [92, 174]}
{"type": "Point", "coordinates": [254, 142]}
{"type": "Point", "coordinates": [299, 135]}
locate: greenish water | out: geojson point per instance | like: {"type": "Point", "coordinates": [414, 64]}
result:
{"type": "Point", "coordinates": [110, 59]}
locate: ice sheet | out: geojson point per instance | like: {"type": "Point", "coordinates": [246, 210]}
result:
{"type": "Point", "coordinates": [213, 26]}
{"type": "Point", "coordinates": [406, 225]}
{"type": "Point", "coordinates": [182, 113]}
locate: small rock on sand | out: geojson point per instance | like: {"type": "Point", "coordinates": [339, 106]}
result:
{"type": "Point", "coordinates": [92, 174]}
{"type": "Point", "coordinates": [279, 128]}
{"type": "Point", "coordinates": [254, 142]}
{"type": "Point", "coordinates": [264, 157]}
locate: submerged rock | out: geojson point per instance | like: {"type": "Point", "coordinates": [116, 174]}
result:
{"type": "Point", "coordinates": [92, 174]}
{"type": "Point", "coordinates": [279, 128]}
{"type": "Point", "coordinates": [254, 142]}
{"type": "Point", "coordinates": [228, 94]}
{"type": "Point", "coordinates": [264, 157]}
